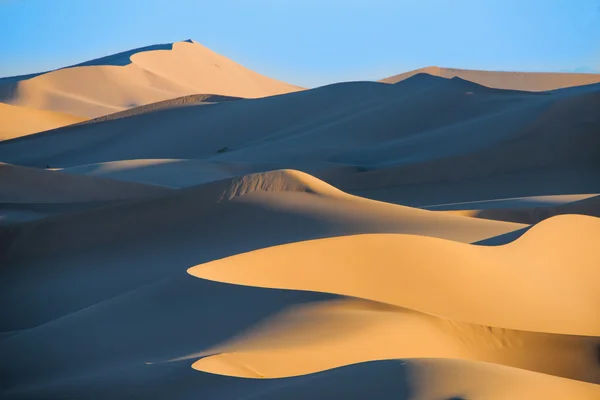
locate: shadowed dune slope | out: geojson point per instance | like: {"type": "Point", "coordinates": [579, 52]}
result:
{"type": "Point", "coordinates": [28, 194]}
{"type": "Point", "coordinates": [195, 131]}
{"type": "Point", "coordinates": [31, 185]}
{"type": "Point", "coordinates": [589, 205]}
{"type": "Point", "coordinates": [443, 277]}
{"type": "Point", "coordinates": [193, 99]}
{"type": "Point", "coordinates": [165, 172]}
{"type": "Point", "coordinates": [531, 81]}
{"type": "Point", "coordinates": [186, 173]}
{"type": "Point", "coordinates": [138, 77]}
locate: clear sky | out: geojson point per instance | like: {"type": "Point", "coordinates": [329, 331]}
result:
{"type": "Point", "coordinates": [311, 42]}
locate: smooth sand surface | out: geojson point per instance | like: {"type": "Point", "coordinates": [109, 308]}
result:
{"type": "Point", "coordinates": [193, 99]}
{"type": "Point", "coordinates": [21, 121]}
{"type": "Point", "coordinates": [32, 185]}
{"type": "Point", "coordinates": [190, 172]}
{"type": "Point", "coordinates": [532, 81]}
{"type": "Point", "coordinates": [212, 233]}
{"type": "Point", "coordinates": [430, 275]}
{"type": "Point", "coordinates": [147, 76]}
{"type": "Point", "coordinates": [316, 337]}
{"type": "Point", "coordinates": [166, 172]}
{"type": "Point", "coordinates": [28, 194]}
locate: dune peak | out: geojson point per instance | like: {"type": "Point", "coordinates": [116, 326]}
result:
{"type": "Point", "coordinates": [138, 77]}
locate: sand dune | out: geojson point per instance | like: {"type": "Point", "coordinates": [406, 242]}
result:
{"type": "Point", "coordinates": [319, 336]}
{"type": "Point", "coordinates": [358, 240]}
{"type": "Point", "coordinates": [384, 130]}
{"type": "Point", "coordinates": [196, 131]}
{"type": "Point", "coordinates": [253, 212]}
{"type": "Point", "coordinates": [409, 273]}
{"type": "Point", "coordinates": [532, 81]}
{"type": "Point", "coordinates": [136, 78]}
{"type": "Point", "coordinates": [20, 121]}
{"type": "Point", "coordinates": [585, 205]}
{"type": "Point", "coordinates": [191, 172]}
{"type": "Point", "coordinates": [493, 191]}
{"type": "Point", "coordinates": [173, 173]}
{"type": "Point", "coordinates": [31, 185]}
{"type": "Point", "coordinates": [445, 378]}
{"type": "Point", "coordinates": [28, 194]}
{"type": "Point", "coordinates": [193, 99]}
{"type": "Point", "coordinates": [276, 193]}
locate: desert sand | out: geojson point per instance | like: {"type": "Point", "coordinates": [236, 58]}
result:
{"type": "Point", "coordinates": [176, 226]}
{"type": "Point", "coordinates": [21, 121]}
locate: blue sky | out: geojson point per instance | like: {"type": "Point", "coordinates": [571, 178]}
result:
{"type": "Point", "coordinates": [311, 42]}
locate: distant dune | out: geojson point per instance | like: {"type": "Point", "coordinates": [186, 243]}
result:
{"type": "Point", "coordinates": [136, 78]}
{"type": "Point", "coordinates": [21, 121]}
{"type": "Point", "coordinates": [585, 205]}
{"type": "Point", "coordinates": [532, 81]}
{"type": "Point", "coordinates": [384, 130]}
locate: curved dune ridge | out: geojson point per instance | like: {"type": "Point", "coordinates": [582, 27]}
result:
{"type": "Point", "coordinates": [144, 76]}
{"type": "Point", "coordinates": [443, 277]}
{"type": "Point", "coordinates": [532, 81]}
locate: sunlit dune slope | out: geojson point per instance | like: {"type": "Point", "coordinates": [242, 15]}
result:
{"type": "Point", "coordinates": [493, 286]}
{"type": "Point", "coordinates": [318, 336]}
{"type": "Point", "coordinates": [20, 121]}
